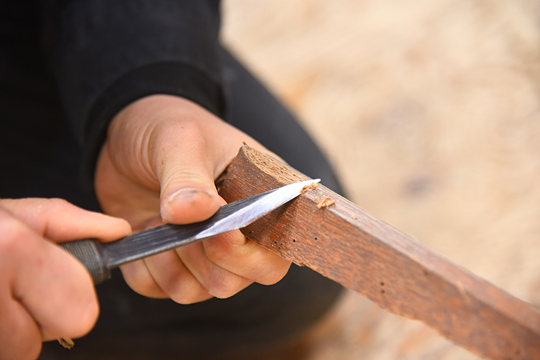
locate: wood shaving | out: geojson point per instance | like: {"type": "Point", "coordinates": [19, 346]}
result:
{"type": "Point", "coordinates": [66, 342]}
{"type": "Point", "coordinates": [306, 188]}
{"type": "Point", "coordinates": [325, 203]}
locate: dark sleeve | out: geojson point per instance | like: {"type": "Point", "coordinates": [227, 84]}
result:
{"type": "Point", "coordinates": [105, 54]}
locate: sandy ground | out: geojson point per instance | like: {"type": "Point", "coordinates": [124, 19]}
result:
{"type": "Point", "coordinates": [430, 111]}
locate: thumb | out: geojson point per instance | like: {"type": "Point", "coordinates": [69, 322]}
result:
{"type": "Point", "coordinates": [180, 144]}
{"type": "Point", "coordinates": [188, 193]}
{"type": "Point", "coordinates": [189, 202]}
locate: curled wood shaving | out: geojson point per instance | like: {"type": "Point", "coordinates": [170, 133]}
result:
{"type": "Point", "coordinates": [66, 342]}
{"type": "Point", "coordinates": [325, 203]}
{"type": "Point", "coordinates": [306, 188]}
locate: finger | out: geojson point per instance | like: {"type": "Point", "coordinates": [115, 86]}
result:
{"type": "Point", "coordinates": [49, 283]}
{"type": "Point", "coordinates": [188, 193]}
{"type": "Point", "coordinates": [173, 277]}
{"type": "Point", "coordinates": [58, 220]}
{"type": "Point", "coordinates": [139, 279]}
{"type": "Point", "coordinates": [20, 336]}
{"type": "Point", "coordinates": [169, 279]}
{"type": "Point", "coordinates": [219, 282]}
{"type": "Point", "coordinates": [245, 258]}
{"type": "Point", "coordinates": [164, 275]}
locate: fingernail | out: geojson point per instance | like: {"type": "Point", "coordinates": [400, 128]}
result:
{"type": "Point", "coordinates": [186, 194]}
{"type": "Point", "coordinates": [184, 198]}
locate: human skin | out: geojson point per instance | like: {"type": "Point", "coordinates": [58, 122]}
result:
{"type": "Point", "coordinates": [45, 293]}
{"type": "Point", "coordinates": [158, 164]}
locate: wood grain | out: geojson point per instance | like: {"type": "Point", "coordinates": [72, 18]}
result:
{"type": "Point", "coordinates": [364, 254]}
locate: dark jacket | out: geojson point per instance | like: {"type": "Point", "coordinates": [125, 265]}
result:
{"type": "Point", "coordinates": [80, 62]}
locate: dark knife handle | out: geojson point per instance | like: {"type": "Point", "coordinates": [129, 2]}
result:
{"type": "Point", "coordinates": [90, 253]}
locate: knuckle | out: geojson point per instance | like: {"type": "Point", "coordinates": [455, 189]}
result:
{"type": "Point", "coordinates": [55, 205]}
{"type": "Point", "coordinates": [43, 209]}
{"type": "Point", "coordinates": [88, 316]}
{"type": "Point", "coordinates": [273, 277]}
{"type": "Point", "coordinates": [184, 288]}
{"type": "Point", "coordinates": [143, 286]}
{"type": "Point", "coordinates": [190, 133]}
{"type": "Point", "coordinates": [173, 285]}
{"type": "Point", "coordinates": [83, 319]}
{"type": "Point", "coordinates": [276, 274]}
{"type": "Point", "coordinates": [74, 311]}
{"type": "Point", "coordinates": [221, 249]}
{"type": "Point", "coordinates": [190, 297]}
{"type": "Point", "coordinates": [224, 285]}
{"type": "Point", "coordinates": [193, 133]}
{"type": "Point", "coordinates": [217, 251]}
{"type": "Point", "coordinates": [140, 281]}
{"type": "Point", "coordinates": [13, 236]}
{"type": "Point", "coordinates": [58, 202]}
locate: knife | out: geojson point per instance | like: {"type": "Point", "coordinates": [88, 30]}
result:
{"type": "Point", "coordinates": [100, 259]}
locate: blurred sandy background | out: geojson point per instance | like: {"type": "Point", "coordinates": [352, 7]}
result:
{"type": "Point", "coordinates": [430, 111]}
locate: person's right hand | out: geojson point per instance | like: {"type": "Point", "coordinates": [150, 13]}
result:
{"type": "Point", "coordinates": [45, 293]}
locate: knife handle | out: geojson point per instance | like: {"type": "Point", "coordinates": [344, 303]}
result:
{"type": "Point", "coordinates": [90, 253]}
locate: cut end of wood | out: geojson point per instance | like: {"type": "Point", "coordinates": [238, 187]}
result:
{"type": "Point", "coordinates": [272, 166]}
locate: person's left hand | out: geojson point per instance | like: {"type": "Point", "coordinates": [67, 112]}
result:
{"type": "Point", "coordinates": [159, 164]}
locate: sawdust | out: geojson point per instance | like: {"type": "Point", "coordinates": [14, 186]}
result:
{"type": "Point", "coordinates": [325, 203]}
{"type": "Point", "coordinates": [306, 188]}
{"type": "Point", "coordinates": [66, 343]}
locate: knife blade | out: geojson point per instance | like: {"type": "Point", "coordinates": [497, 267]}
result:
{"type": "Point", "coordinates": [100, 259]}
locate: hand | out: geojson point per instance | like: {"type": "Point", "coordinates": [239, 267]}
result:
{"type": "Point", "coordinates": [159, 164]}
{"type": "Point", "coordinates": [45, 293]}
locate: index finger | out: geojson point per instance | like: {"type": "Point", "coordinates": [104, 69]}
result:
{"type": "Point", "coordinates": [58, 220]}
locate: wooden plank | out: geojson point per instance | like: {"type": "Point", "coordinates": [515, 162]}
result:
{"type": "Point", "coordinates": [361, 252]}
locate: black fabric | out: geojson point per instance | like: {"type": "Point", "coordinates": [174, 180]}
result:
{"type": "Point", "coordinates": [91, 44]}
{"type": "Point", "coordinates": [38, 154]}
{"type": "Point", "coordinates": [173, 49]}
{"type": "Point", "coordinates": [58, 71]}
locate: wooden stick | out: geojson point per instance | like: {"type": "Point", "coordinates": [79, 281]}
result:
{"type": "Point", "coordinates": [359, 251]}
